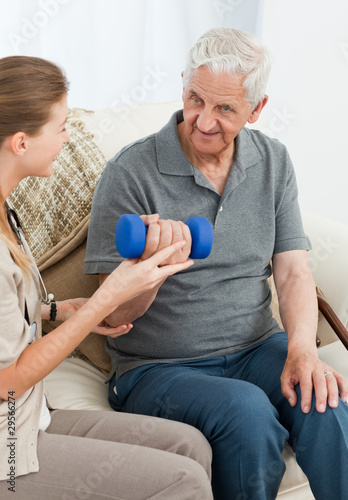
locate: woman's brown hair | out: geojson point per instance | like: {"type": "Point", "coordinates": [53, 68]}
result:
{"type": "Point", "coordinates": [29, 87]}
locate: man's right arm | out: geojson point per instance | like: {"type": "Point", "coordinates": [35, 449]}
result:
{"type": "Point", "coordinates": [160, 234]}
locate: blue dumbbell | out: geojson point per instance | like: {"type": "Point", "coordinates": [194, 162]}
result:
{"type": "Point", "coordinates": [130, 236]}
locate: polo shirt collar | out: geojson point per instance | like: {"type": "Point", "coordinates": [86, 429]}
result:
{"type": "Point", "coordinates": [247, 153]}
{"type": "Point", "coordinates": [170, 157]}
{"type": "Point", "coordinates": [172, 160]}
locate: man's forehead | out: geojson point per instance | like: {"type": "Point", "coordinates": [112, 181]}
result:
{"type": "Point", "coordinates": [222, 85]}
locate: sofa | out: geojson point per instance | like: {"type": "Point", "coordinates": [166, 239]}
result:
{"type": "Point", "coordinates": [55, 218]}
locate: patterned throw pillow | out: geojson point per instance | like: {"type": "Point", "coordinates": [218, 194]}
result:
{"type": "Point", "coordinates": [50, 209]}
{"type": "Point", "coordinates": [54, 213]}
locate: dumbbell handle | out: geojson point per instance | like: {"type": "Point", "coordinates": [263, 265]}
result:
{"type": "Point", "coordinates": [130, 236]}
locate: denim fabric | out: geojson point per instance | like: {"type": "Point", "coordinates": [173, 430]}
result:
{"type": "Point", "coordinates": [236, 402]}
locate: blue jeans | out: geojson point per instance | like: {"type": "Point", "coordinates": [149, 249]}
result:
{"type": "Point", "coordinates": [236, 402]}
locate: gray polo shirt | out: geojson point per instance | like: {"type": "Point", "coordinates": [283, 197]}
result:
{"type": "Point", "coordinates": [221, 304]}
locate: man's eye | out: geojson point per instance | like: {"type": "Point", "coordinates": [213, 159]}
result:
{"type": "Point", "coordinates": [226, 108]}
{"type": "Point", "coordinates": [196, 100]}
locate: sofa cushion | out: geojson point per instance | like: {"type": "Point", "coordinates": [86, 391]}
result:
{"type": "Point", "coordinates": [115, 127]}
{"type": "Point", "coordinates": [84, 387]}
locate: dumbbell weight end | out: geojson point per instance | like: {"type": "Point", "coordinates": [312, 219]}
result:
{"type": "Point", "coordinates": [202, 237]}
{"type": "Point", "coordinates": [130, 236]}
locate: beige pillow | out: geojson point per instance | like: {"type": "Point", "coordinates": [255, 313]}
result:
{"type": "Point", "coordinates": [51, 209]}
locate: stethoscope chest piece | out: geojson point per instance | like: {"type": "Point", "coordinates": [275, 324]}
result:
{"type": "Point", "coordinates": [32, 332]}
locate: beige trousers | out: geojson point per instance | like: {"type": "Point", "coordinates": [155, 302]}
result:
{"type": "Point", "coordinates": [94, 455]}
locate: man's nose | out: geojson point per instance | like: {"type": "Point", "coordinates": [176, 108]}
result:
{"type": "Point", "coordinates": [206, 120]}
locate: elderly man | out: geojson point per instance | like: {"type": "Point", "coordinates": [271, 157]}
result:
{"type": "Point", "coordinates": [204, 348]}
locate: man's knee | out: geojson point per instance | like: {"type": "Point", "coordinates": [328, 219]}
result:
{"type": "Point", "coordinates": [314, 425]}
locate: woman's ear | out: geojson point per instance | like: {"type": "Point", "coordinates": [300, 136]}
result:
{"type": "Point", "coordinates": [19, 143]}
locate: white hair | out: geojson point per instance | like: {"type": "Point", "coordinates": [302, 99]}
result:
{"type": "Point", "coordinates": [236, 52]}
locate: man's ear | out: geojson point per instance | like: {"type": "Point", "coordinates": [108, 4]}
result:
{"type": "Point", "coordinates": [18, 143]}
{"type": "Point", "coordinates": [183, 88]}
{"type": "Point", "coordinates": [257, 110]}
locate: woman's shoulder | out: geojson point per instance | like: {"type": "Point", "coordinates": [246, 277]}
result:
{"type": "Point", "coordinates": [7, 264]}
{"type": "Point", "coordinates": [4, 251]}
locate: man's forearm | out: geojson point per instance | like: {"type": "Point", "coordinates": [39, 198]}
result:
{"type": "Point", "coordinates": [130, 311]}
{"type": "Point", "coordinates": [299, 309]}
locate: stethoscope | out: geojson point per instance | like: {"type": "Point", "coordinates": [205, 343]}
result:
{"type": "Point", "coordinates": [17, 229]}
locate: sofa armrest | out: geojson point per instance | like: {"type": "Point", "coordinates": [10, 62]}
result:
{"type": "Point", "coordinates": [329, 265]}
{"type": "Point", "coordinates": [333, 320]}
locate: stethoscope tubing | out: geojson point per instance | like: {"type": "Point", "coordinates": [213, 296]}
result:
{"type": "Point", "coordinates": [18, 231]}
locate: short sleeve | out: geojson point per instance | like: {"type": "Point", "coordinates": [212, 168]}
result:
{"type": "Point", "coordinates": [116, 193]}
{"type": "Point", "coordinates": [290, 234]}
{"type": "Point", "coordinates": [14, 330]}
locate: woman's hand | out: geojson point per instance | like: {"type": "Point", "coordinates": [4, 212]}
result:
{"type": "Point", "coordinates": [134, 277]}
{"type": "Point", "coordinates": [130, 279]}
{"type": "Point", "coordinates": [110, 331]}
{"type": "Point", "coordinates": [66, 308]}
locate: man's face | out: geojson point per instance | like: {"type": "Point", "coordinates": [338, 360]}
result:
{"type": "Point", "coordinates": [215, 110]}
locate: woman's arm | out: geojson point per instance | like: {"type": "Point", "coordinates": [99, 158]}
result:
{"type": "Point", "coordinates": [130, 279]}
{"type": "Point", "coordinates": [66, 308]}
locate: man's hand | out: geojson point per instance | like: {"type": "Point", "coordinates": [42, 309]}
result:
{"type": "Point", "coordinates": [66, 308]}
{"type": "Point", "coordinates": [163, 233]}
{"type": "Point", "coordinates": [160, 234]}
{"type": "Point", "coordinates": [299, 312]}
{"type": "Point", "coordinates": [305, 368]}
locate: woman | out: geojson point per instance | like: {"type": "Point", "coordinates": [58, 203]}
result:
{"type": "Point", "coordinates": [70, 454]}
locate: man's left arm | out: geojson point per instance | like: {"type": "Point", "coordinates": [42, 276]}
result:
{"type": "Point", "coordinates": [299, 313]}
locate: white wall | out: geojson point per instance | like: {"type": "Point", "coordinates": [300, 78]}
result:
{"type": "Point", "coordinates": [308, 93]}
{"type": "Point", "coordinates": [116, 51]}
{"type": "Point", "coordinates": [111, 49]}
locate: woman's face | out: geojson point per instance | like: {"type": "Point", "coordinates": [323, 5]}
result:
{"type": "Point", "coordinates": [43, 148]}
